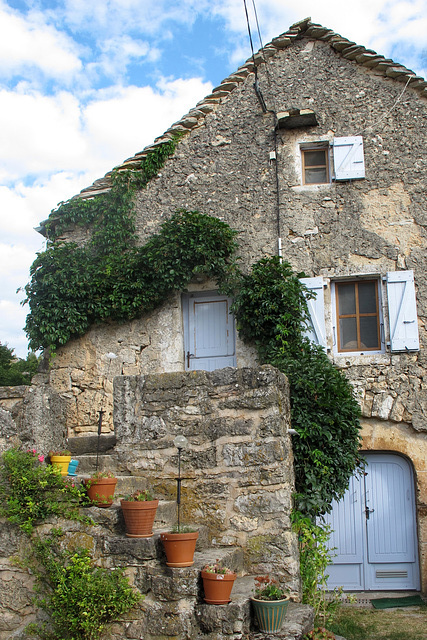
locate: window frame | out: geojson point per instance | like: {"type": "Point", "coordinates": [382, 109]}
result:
{"type": "Point", "coordinates": [335, 284]}
{"type": "Point", "coordinates": [321, 146]}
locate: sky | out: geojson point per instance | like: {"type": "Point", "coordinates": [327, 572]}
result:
{"type": "Point", "coordinates": [85, 84]}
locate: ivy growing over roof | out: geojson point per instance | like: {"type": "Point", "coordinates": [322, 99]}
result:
{"type": "Point", "coordinates": [73, 288]}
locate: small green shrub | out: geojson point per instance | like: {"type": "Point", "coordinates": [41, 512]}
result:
{"type": "Point", "coordinates": [31, 491]}
{"type": "Point", "coordinates": [315, 557]}
{"type": "Point", "coordinates": [79, 597]}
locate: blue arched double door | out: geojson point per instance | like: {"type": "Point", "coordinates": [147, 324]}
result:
{"type": "Point", "coordinates": [375, 534]}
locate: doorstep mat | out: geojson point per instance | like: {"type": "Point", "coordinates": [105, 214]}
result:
{"type": "Point", "coordinates": [388, 603]}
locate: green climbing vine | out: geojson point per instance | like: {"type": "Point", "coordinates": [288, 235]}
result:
{"type": "Point", "coordinates": [270, 305]}
{"type": "Point", "coordinates": [109, 278]}
{"type": "Point", "coordinates": [72, 288]}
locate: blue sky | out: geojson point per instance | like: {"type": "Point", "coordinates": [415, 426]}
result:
{"type": "Point", "coordinates": [85, 84]}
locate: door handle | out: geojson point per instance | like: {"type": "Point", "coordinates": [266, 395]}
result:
{"type": "Point", "coordinates": [368, 511]}
{"type": "Point", "coordinates": [189, 355]}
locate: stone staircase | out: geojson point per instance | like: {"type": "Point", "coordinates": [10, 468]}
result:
{"type": "Point", "coordinates": [173, 606]}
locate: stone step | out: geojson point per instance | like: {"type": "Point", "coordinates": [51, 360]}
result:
{"type": "Point", "coordinates": [87, 463]}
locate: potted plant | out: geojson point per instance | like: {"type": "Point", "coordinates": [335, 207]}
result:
{"type": "Point", "coordinates": [270, 602]}
{"type": "Point", "coordinates": [217, 583]}
{"type": "Point", "coordinates": [139, 510]}
{"type": "Point", "coordinates": [180, 545]}
{"type": "Point", "coordinates": [61, 460]}
{"type": "Point", "coordinates": [100, 488]}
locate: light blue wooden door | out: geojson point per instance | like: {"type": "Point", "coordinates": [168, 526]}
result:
{"type": "Point", "coordinates": [374, 526]}
{"type": "Point", "coordinates": [209, 332]}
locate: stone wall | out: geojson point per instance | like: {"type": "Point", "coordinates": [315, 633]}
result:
{"type": "Point", "coordinates": [32, 416]}
{"type": "Point", "coordinates": [238, 466]}
{"type": "Point", "coordinates": [237, 487]}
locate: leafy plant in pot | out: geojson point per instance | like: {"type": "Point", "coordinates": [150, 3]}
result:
{"type": "Point", "coordinates": [218, 582]}
{"type": "Point", "coordinates": [61, 460]}
{"type": "Point", "coordinates": [139, 511]}
{"type": "Point", "coordinates": [100, 488]}
{"type": "Point", "coordinates": [269, 602]}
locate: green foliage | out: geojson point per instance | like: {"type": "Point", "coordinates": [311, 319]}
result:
{"type": "Point", "coordinates": [15, 371]}
{"type": "Point", "coordinates": [314, 559]}
{"type": "Point", "coordinates": [31, 491]}
{"type": "Point", "coordinates": [319, 633]}
{"type": "Point", "coordinates": [79, 597]}
{"type": "Point", "coordinates": [267, 588]}
{"type": "Point", "coordinates": [139, 496]}
{"type": "Point", "coordinates": [271, 310]}
{"type": "Point", "coordinates": [72, 287]}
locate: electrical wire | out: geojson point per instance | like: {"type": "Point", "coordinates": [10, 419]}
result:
{"type": "Point", "coordinates": [376, 122]}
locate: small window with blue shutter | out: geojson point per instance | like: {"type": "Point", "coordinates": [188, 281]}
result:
{"type": "Point", "coordinates": [402, 310]}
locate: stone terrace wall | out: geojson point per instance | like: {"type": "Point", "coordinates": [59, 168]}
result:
{"type": "Point", "coordinates": [238, 467]}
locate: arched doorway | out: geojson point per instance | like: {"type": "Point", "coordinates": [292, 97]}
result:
{"type": "Point", "coordinates": [375, 534]}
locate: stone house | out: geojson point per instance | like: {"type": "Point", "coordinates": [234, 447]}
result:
{"type": "Point", "coordinates": [314, 149]}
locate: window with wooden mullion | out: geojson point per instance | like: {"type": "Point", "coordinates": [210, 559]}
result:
{"type": "Point", "coordinates": [315, 166]}
{"type": "Point", "coordinates": [358, 316]}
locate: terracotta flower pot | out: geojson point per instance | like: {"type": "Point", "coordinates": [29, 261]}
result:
{"type": "Point", "coordinates": [139, 517]}
{"type": "Point", "coordinates": [270, 614]}
{"type": "Point", "coordinates": [179, 548]}
{"type": "Point", "coordinates": [61, 462]}
{"type": "Point", "coordinates": [101, 492]}
{"type": "Point", "coordinates": [217, 587]}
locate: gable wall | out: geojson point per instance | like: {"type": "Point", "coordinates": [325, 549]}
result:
{"type": "Point", "coordinates": [367, 226]}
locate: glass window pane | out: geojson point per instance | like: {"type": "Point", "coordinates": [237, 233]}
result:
{"type": "Point", "coordinates": [369, 333]}
{"type": "Point", "coordinates": [346, 299]}
{"type": "Point", "coordinates": [315, 176]}
{"type": "Point", "coordinates": [367, 297]}
{"type": "Point", "coordinates": [315, 158]}
{"type": "Point", "coordinates": [348, 334]}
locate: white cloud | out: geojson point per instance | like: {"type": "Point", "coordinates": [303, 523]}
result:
{"type": "Point", "coordinates": [39, 133]}
{"type": "Point", "coordinates": [144, 15]}
{"type": "Point", "coordinates": [126, 119]}
{"type": "Point", "coordinates": [12, 320]}
{"type": "Point", "coordinates": [28, 42]}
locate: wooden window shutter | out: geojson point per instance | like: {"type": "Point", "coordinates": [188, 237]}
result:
{"type": "Point", "coordinates": [349, 161]}
{"type": "Point", "coordinates": [316, 331]}
{"type": "Point", "coordinates": [402, 311]}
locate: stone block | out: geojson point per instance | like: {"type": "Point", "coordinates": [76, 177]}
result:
{"type": "Point", "coordinates": [129, 551]}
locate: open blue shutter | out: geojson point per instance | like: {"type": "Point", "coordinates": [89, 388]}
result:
{"type": "Point", "coordinates": [349, 162]}
{"type": "Point", "coordinates": [402, 311]}
{"type": "Point", "coordinates": [316, 332]}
